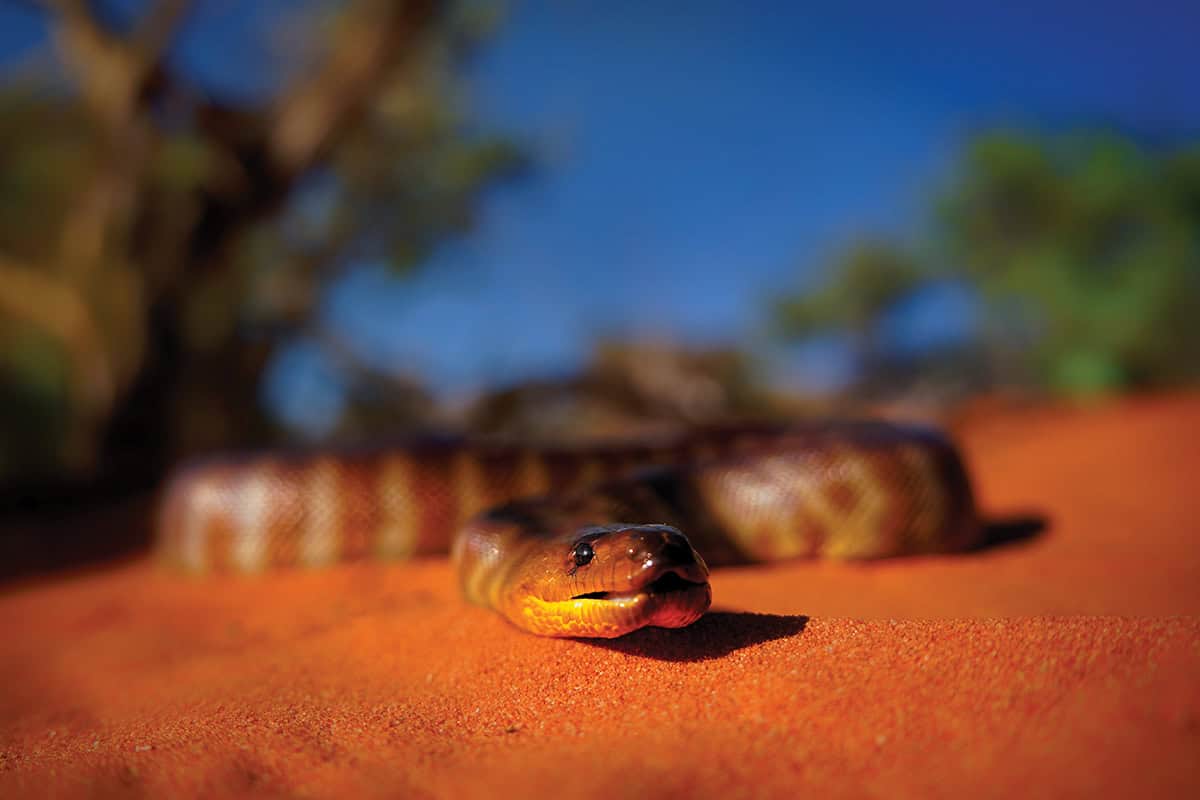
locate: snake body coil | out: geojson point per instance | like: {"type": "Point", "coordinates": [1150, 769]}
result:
{"type": "Point", "coordinates": [582, 541]}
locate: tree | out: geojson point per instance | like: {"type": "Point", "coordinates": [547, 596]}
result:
{"type": "Point", "coordinates": [157, 242]}
{"type": "Point", "coordinates": [1085, 249]}
{"type": "Point", "coordinates": [866, 280]}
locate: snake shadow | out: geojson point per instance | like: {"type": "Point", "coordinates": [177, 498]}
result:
{"type": "Point", "coordinates": [716, 634]}
{"type": "Point", "coordinates": [719, 633]}
{"type": "Point", "coordinates": [1014, 529]}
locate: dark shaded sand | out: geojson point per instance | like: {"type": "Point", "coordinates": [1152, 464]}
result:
{"type": "Point", "coordinates": [1067, 664]}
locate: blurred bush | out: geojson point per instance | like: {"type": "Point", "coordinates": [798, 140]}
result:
{"type": "Point", "coordinates": [157, 241]}
{"type": "Point", "coordinates": [1083, 248]}
{"type": "Point", "coordinates": [629, 387]}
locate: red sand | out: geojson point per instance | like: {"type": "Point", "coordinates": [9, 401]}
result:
{"type": "Point", "coordinates": [1067, 665]}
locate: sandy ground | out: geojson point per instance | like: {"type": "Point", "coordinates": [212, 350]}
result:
{"type": "Point", "coordinates": [1065, 665]}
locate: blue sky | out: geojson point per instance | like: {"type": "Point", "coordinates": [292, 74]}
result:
{"type": "Point", "coordinates": [701, 163]}
{"type": "Point", "coordinates": [696, 164]}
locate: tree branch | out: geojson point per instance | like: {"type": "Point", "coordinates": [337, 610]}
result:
{"type": "Point", "coordinates": [272, 151]}
{"type": "Point", "coordinates": [113, 71]}
{"type": "Point", "coordinates": [375, 37]}
{"type": "Point", "coordinates": [114, 75]}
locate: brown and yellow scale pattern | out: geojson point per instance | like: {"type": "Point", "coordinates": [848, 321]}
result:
{"type": "Point", "coordinates": [594, 541]}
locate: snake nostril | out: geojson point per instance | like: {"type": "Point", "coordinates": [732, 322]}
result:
{"type": "Point", "coordinates": [676, 548]}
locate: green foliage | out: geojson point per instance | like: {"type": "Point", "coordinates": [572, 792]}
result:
{"type": "Point", "coordinates": [1086, 245]}
{"type": "Point", "coordinates": [869, 278]}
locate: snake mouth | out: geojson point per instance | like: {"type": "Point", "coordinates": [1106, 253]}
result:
{"type": "Point", "coordinates": [669, 582]}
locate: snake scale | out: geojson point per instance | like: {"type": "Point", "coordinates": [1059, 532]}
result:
{"type": "Point", "coordinates": [593, 541]}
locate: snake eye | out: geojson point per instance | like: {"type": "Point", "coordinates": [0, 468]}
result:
{"type": "Point", "coordinates": [583, 554]}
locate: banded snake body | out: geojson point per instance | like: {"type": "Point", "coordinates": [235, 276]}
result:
{"type": "Point", "coordinates": [590, 542]}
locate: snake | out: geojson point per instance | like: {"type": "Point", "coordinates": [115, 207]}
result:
{"type": "Point", "coordinates": [594, 540]}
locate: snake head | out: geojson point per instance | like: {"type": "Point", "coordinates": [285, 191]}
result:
{"type": "Point", "coordinates": [554, 578]}
{"type": "Point", "coordinates": [614, 579]}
